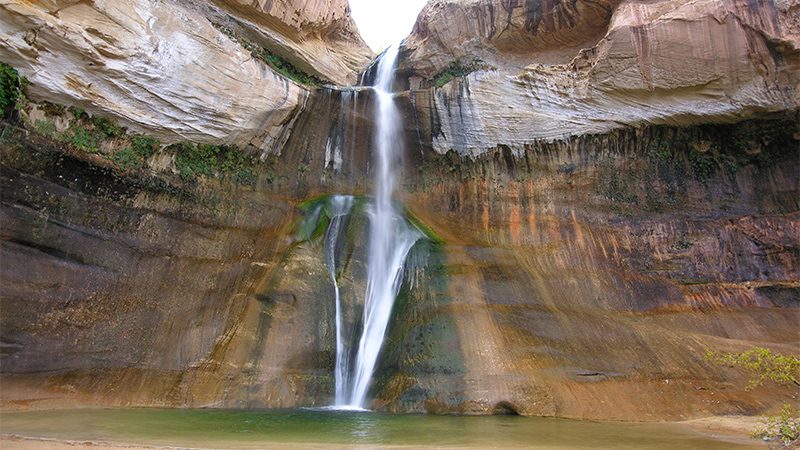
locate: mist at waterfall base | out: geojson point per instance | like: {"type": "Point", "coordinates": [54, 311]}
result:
{"type": "Point", "coordinates": [390, 239]}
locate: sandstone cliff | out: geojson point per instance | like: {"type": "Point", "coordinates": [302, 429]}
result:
{"type": "Point", "coordinates": [584, 278]}
{"type": "Point", "coordinates": [563, 69]}
{"type": "Point", "coordinates": [318, 36]}
{"type": "Point", "coordinates": [165, 69]}
{"type": "Point", "coordinates": [604, 232]}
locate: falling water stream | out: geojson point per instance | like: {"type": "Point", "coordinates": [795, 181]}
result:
{"type": "Point", "coordinates": [391, 237]}
{"type": "Point", "coordinates": [340, 206]}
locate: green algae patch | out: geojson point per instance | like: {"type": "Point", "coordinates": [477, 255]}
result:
{"type": "Point", "coordinates": [429, 233]}
{"type": "Point", "coordinates": [313, 223]}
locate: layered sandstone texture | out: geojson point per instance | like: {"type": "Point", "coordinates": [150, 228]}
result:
{"type": "Point", "coordinates": [588, 277]}
{"type": "Point", "coordinates": [557, 69]}
{"type": "Point", "coordinates": [584, 278]}
{"type": "Point", "coordinates": [164, 68]}
{"type": "Point", "coordinates": [318, 36]}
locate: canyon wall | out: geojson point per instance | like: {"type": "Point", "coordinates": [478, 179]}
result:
{"type": "Point", "coordinates": [170, 70]}
{"type": "Point", "coordinates": [554, 70]}
{"type": "Point", "coordinates": [589, 277]}
{"type": "Point", "coordinates": [612, 195]}
{"type": "Point", "coordinates": [602, 228]}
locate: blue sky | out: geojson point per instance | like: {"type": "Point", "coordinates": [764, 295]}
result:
{"type": "Point", "coordinates": [383, 22]}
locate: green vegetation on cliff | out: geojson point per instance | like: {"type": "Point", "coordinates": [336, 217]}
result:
{"type": "Point", "coordinates": [212, 160]}
{"type": "Point", "coordinates": [276, 62]}
{"type": "Point", "coordinates": [73, 128]}
{"type": "Point", "coordinates": [135, 155]}
{"type": "Point", "coordinates": [458, 69]}
{"type": "Point", "coordinates": [83, 133]}
{"type": "Point", "coordinates": [761, 364]}
{"type": "Point", "coordinates": [11, 86]}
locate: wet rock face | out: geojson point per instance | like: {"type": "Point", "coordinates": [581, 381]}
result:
{"type": "Point", "coordinates": [131, 289]}
{"type": "Point", "coordinates": [597, 271]}
{"type": "Point", "coordinates": [580, 278]}
{"type": "Point", "coordinates": [164, 69]}
{"type": "Point", "coordinates": [631, 63]}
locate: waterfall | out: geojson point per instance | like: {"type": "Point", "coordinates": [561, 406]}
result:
{"type": "Point", "coordinates": [390, 239]}
{"type": "Point", "coordinates": [340, 206]}
{"type": "Point", "coordinates": [390, 236]}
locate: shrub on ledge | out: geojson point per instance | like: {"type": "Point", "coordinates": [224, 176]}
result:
{"type": "Point", "coordinates": [458, 69]}
{"type": "Point", "coordinates": [762, 364]}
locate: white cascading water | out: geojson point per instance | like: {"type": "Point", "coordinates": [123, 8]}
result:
{"type": "Point", "coordinates": [340, 206]}
{"type": "Point", "coordinates": [390, 240]}
{"type": "Point", "coordinates": [390, 236]}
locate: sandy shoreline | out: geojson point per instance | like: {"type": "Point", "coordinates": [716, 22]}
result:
{"type": "Point", "coordinates": [16, 442]}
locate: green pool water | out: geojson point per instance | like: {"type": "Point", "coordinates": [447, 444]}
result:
{"type": "Point", "coordinates": [258, 429]}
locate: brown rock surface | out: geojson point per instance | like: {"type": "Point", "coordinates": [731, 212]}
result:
{"type": "Point", "coordinates": [587, 278]}
{"type": "Point", "coordinates": [583, 278]}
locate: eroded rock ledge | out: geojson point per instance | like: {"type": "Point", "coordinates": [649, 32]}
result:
{"type": "Point", "coordinates": [565, 69]}
{"type": "Point", "coordinates": [161, 67]}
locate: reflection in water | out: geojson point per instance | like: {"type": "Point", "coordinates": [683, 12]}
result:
{"type": "Point", "coordinates": [257, 429]}
{"type": "Point", "coordinates": [364, 428]}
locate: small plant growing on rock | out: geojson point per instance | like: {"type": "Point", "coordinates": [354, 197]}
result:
{"type": "Point", "coordinates": [82, 139]}
{"type": "Point", "coordinates": [136, 154]}
{"type": "Point", "coordinates": [11, 86]}
{"type": "Point", "coordinates": [107, 126]}
{"type": "Point", "coordinates": [303, 168]}
{"type": "Point", "coordinates": [762, 364]}
{"type": "Point", "coordinates": [784, 427]}
{"type": "Point", "coordinates": [77, 113]}
{"type": "Point", "coordinates": [457, 69]}
{"type": "Point", "coordinates": [194, 161]}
